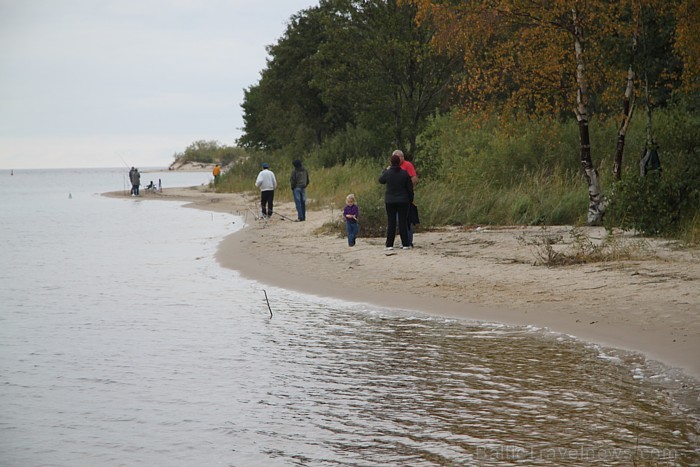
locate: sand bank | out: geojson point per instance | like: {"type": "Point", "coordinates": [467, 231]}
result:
{"type": "Point", "coordinates": [650, 304]}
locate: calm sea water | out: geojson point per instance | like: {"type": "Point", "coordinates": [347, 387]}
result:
{"type": "Point", "coordinates": [123, 342]}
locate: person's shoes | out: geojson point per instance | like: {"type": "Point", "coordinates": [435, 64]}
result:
{"type": "Point", "coordinates": [389, 248]}
{"type": "Point", "coordinates": [405, 247]}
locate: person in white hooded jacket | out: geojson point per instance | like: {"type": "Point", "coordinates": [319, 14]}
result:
{"type": "Point", "coordinates": [267, 183]}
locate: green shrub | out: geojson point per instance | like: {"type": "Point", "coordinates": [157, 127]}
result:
{"type": "Point", "coordinates": [352, 144]}
{"type": "Point", "coordinates": [663, 203]}
{"type": "Point", "coordinates": [372, 213]}
{"type": "Point", "coordinates": [210, 152]}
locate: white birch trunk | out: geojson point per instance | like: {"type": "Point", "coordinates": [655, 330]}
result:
{"type": "Point", "coordinates": [596, 206]}
{"type": "Point", "coordinates": [627, 111]}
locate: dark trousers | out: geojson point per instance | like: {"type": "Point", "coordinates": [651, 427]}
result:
{"type": "Point", "coordinates": [409, 229]}
{"type": "Point", "coordinates": [353, 228]}
{"type": "Point", "coordinates": [300, 202]}
{"type": "Point", "coordinates": [266, 200]}
{"type": "Point", "coordinates": [396, 211]}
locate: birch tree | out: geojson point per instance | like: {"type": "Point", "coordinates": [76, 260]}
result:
{"type": "Point", "coordinates": [547, 59]}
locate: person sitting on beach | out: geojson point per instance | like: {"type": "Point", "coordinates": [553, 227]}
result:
{"type": "Point", "coordinates": [151, 186]}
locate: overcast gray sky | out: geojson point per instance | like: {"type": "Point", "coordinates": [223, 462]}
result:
{"type": "Point", "coordinates": [100, 83]}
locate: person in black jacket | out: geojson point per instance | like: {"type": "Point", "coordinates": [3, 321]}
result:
{"type": "Point", "coordinates": [299, 180]}
{"type": "Point", "coordinates": [397, 197]}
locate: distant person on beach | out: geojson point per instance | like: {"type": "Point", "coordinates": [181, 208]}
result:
{"type": "Point", "coordinates": [267, 183]}
{"type": "Point", "coordinates": [299, 180]}
{"type": "Point", "coordinates": [216, 172]}
{"type": "Point", "coordinates": [351, 214]}
{"type": "Point", "coordinates": [135, 178]}
{"type": "Point", "coordinates": [151, 186]}
{"type": "Point", "coordinates": [408, 167]}
{"type": "Point", "coordinates": [398, 195]}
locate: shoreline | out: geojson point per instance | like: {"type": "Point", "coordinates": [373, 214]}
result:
{"type": "Point", "coordinates": [649, 305]}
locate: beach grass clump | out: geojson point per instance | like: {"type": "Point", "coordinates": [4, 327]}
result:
{"type": "Point", "coordinates": [492, 172]}
{"type": "Point", "coordinates": [554, 249]}
{"type": "Point", "coordinates": [542, 198]}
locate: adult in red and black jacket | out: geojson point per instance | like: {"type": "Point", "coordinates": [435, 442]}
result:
{"type": "Point", "coordinates": [397, 197]}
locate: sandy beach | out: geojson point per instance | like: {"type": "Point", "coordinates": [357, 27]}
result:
{"type": "Point", "coordinates": [649, 304]}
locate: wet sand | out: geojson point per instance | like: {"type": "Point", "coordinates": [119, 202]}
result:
{"type": "Point", "coordinates": [649, 304]}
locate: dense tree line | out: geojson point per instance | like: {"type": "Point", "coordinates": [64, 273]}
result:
{"type": "Point", "coordinates": [385, 66]}
{"type": "Point", "coordinates": [364, 68]}
{"type": "Point", "coordinates": [352, 79]}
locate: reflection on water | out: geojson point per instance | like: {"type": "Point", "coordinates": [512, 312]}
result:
{"type": "Point", "coordinates": [124, 343]}
{"type": "Point", "coordinates": [389, 389]}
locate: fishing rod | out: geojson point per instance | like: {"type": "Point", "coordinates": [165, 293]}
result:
{"type": "Point", "coordinates": [283, 216]}
{"type": "Point", "coordinates": [124, 176]}
{"type": "Point", "coordinates": [274, 212]}
{"type": "Point", "coordinates": [256, 216]}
